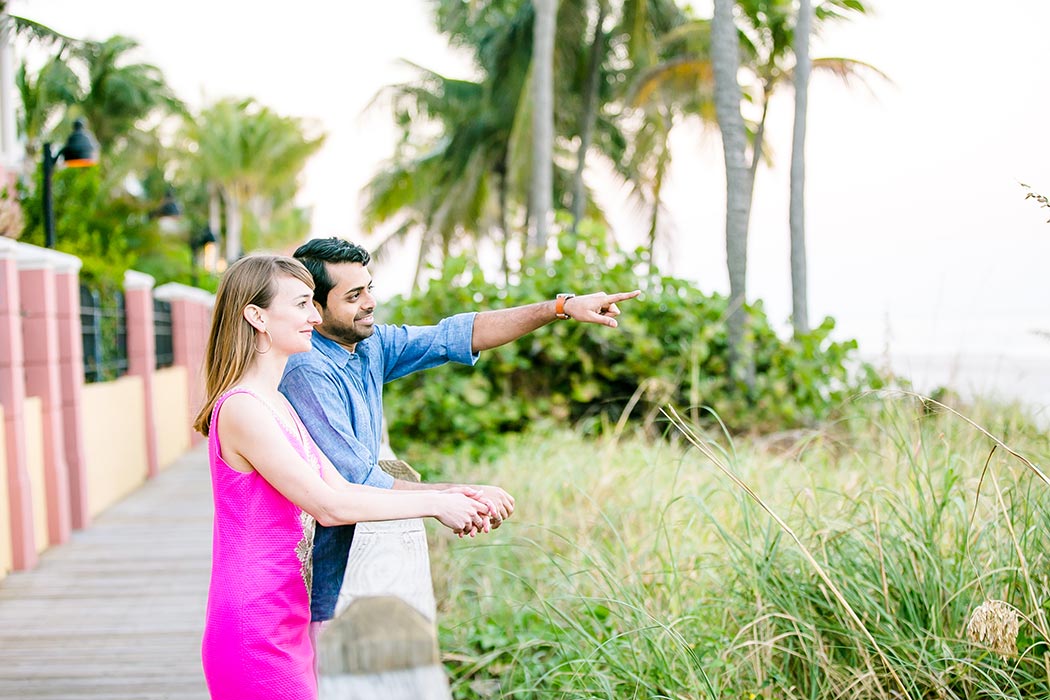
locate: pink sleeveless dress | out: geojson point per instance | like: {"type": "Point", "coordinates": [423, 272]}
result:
{"type": "Point", "coordinates": [256, 639]}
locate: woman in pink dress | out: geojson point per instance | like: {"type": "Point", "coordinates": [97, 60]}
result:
{"type": "Point", "coordinates": [271, 484]}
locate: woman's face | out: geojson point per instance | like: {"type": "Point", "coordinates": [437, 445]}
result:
{"type": "Point", "coordinates": [291, 317]}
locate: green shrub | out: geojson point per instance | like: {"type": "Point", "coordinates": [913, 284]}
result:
{"type": "Point", "coordinates": [670, 348]}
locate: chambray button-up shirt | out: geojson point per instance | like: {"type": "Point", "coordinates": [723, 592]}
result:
{"type": "Point", "coordinates": [338, 394]}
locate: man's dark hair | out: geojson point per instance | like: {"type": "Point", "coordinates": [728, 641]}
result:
{"type": "Point", "coordinates": [315, 253]}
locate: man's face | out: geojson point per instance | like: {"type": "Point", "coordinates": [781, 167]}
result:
{"type": "Point", "coordinates": [347, 318]}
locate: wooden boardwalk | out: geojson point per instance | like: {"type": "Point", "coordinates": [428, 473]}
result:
{"type": "Point", "coordinates": [117, 612]}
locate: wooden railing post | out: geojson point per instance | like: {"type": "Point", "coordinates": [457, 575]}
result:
{"type": "Point", "coordinates": [383, 640]}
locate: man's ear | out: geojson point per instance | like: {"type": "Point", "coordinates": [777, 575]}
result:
{"type": "Point", "coordinates": [320, 309]}
{"type": "Point", "coordinates": [255, 317]}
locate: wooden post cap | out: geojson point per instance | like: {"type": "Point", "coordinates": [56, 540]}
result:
{"type": "Point", "coordinates": [376, 634]}
{"type": "Point", "coordinates": [399, 469]}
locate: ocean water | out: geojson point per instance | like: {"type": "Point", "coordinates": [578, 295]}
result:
{"type": "Point", "coordinates": [1002, 376]}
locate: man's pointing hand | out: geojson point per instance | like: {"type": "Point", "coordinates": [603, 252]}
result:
{"type": "Point", "coordinates": [598, 308]}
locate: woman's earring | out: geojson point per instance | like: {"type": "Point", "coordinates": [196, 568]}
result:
{"type": "Point", "coordinates": [268, 337]}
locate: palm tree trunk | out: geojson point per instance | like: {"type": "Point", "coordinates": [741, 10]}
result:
{"type": "Point", "coordinates": [760, 135]}
{"type": "Point", "coordinates": [215, 213]}
{"type": "Point", "coordinates": [725, 59]}
{"type": "Point", "coordinates": [503, 223]}
{"type": "Point", "coordinates": [542, 183]}
{"type": "Point", "coordinates": [589, 115]}
{"type": "Point", "coordinates": [233, 225]}
{"type": "Point", "coordinates": [658, 182]}
{"type": "Point", "coordinates": [421, 260]}
{"type": "Point", "coordinates": [797, 211]}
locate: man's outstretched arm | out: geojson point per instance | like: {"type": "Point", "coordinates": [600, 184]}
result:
{"type": "Point", "coordinates": [495, 328]}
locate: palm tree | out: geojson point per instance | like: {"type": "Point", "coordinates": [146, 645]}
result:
{"type": "Point", "coordinates": [796, 212]}
{"type": "Point", "coordinates": [463, 169]}
{"type": "Point", "coordinates": [441, 185]}
{"type": "Point", "coordinates": [772, 39]}
{"type": "Point", "coordinates": [767, 31]}
{"type": "Point", "coordinates": [673, 80]}
{"type": "Point", "coordinates": [252, 157]}
{"type": "Point", "coordinates": [541, 211]}
{"type": "Point", "coordinates": [488, 121]}
{"type": "Point", "coordinates": [725, 61]}
{"type": "Point", "coordinates": [119, 93]}
{"type": "Point", "coordinates": [588, 113]}
{"type": "Point", "coordinates": [633, 119]}
{"type": "Point", "coordinates": [44, 99]}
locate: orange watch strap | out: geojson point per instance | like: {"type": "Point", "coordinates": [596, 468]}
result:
{"type": "Point", "coordinates": [559, 305]}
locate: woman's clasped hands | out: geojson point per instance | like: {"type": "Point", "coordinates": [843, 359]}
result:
{"type": "Point", "coordinates": [465, 510]}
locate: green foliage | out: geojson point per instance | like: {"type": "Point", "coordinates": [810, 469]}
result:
{"type": "Point", "coordinates": [670, 348]}
{"type": "Point", "coordinates": [110, 233]}
{"type": "Point", "coordinates": [101, 230]}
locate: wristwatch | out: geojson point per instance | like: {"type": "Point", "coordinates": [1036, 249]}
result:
{"type": "Point", "coordinates": [559, 305]}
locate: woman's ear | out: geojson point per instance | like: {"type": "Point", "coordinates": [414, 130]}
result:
{"type": "Point", "coordinates": [255, 316]}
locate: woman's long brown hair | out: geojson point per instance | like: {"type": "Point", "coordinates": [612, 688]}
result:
{"type": "Point", "coordinates": [252, 280]}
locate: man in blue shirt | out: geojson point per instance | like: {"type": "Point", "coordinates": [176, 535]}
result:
{"type": "Point", "coordinates": [337, 389]}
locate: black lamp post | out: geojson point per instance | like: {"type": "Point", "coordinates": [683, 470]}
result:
{"type": "Point", "coordinates": [79, 152]}
{"type": "Point", "coordinates": [169, 207]}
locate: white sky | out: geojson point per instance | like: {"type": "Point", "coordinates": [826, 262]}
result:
{"type": "Point", "coordinates": [919, 235]}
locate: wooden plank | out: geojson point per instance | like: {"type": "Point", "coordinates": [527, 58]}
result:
{"type": "Point", "coordinates": [118, 611]}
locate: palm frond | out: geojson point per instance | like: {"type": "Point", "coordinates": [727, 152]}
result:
{"type": "Point", "coordinates": [30, 30]}
{"type": "Point", "coordinates": [849, 71]}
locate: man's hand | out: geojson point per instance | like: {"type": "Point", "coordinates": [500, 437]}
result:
{"type": "Point", "coordinates": [598, 307]}
{"type": "Point", "coordinates": [502, 501]}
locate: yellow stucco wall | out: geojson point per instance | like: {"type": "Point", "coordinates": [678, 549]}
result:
{"type": "Point", "coordinates": [171, 413]}
{"type": "Point", "coordinates": [5, 520]}
{"type": "Point", "coordinates": [32, 410]}
{"type": "Point", "coordinates": [114, 440]}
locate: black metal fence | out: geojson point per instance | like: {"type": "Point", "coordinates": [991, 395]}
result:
{"type": "Point", "coordinates": [104, 331]}
{"type": "Point", "coordinates": [162, 333]}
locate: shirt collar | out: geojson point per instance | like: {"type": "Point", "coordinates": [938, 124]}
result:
{"type": "Point", "coordinates": [330, 349]}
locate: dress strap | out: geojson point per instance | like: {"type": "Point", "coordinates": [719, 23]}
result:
{"type": "Point", "coordinates": [214, 443]}
{"type": "Point", "coordinates": [296, 435]}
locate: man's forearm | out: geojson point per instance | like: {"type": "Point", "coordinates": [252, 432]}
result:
{"type": "Point", "coordinates": [402, 485]}
{"type": "Point", "coordinates": [495, 328]}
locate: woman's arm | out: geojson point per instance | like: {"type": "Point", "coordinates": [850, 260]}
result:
{"type": "Point", "coordinates": [251, 439]}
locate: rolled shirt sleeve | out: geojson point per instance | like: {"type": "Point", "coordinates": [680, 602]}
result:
{"type": "Point", "coordinates": [408, 349]}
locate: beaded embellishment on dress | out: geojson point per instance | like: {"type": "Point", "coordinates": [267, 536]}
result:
{"type": "Point", "coordinates": [304, 551]}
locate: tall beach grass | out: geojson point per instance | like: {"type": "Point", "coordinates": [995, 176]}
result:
{"type": "Point", "coordinates": [845, 562]}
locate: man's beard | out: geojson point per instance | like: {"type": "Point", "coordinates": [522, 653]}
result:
{"type": "Point", "coordinates": [347, 334]}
